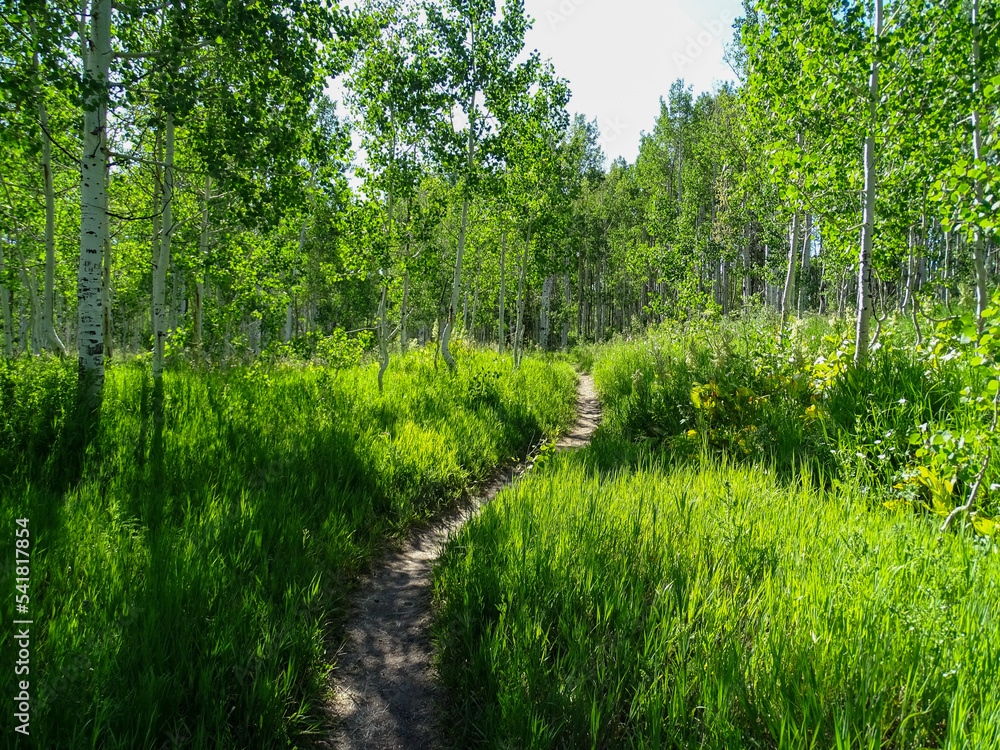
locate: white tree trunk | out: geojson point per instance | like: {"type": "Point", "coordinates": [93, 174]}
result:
{"type": "Point", "coordinates": [503, 291]}
{"type": "Point", "coordinates": [804, 282]}
{"type": "Point", "coordinates": [471, 326]}
{"type": "Point", "coordinates": [383, 334]}
{"type": "Point", "coordinates": [30, 283]}
{"type": "Point", "coordinates": [519, 334]}
{"type": "Point", "coordinates": [48, 332]}
{"type": "Point", "coordinates": [8, 332]}
{"type": "Point", "coordinates": [911, 268]}
{"type": "Point", "coordinates": [456, 288]}
{"type": "Point", "coordinates": [197, 322]}
{"type": "Point", "coordinates": [788, 297]}
{"type": "Point", "coordinates": [601, 300]}
{"type": "Point", "coordinates": [862, 338]}
{"type": "Point", "coordinates": [93, 209]}
{"type": "Point", "coordinates": [546, 301]}
{"type": "Point", "coordinates": [289, 311]}
{"type": "Point", "coordinates": [108, 327]}
{"type": "Point", "coordinates": [567, 301]}
{"type": "Point", "coordinates": [23, 325]}
{"type": "Point", "coordinates": [747, 278]}
{"type": "Point", "coordinates": [979, 246]}
{"type": "Point", "coordinates": [457, 283]}
{"type": "Point", "coordinates": [161, 259]}
{"type": "Point", "coordinates": [404, 334]}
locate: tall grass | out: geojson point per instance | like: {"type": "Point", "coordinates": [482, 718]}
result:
{"type": "Point", "coordinates": [714, 606]}
{"type": "Point", "coordinates": [186, 586]}
{"type": "Point", "coordinates": [735, 562]}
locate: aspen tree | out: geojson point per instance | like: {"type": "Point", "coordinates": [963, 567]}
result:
{"type": "Point", "coordinates": [863, 338]}
{"type": "Point", "coordinates": [97, 56]}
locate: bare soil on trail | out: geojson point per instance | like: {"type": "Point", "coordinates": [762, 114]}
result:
{"type": "Point", "coordinates": [386, 695]}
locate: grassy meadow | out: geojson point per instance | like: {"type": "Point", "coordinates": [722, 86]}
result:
{"type": "Point", "coordinates": [186, 583]}
{"type": "Point", "coordinates": [749, 555]}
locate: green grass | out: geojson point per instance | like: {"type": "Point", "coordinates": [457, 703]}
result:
{"type": "Point", "coordinates": [714, 606]}
{"type": "Point", "coordinates": [746, 557]}
{"type": "Point", "coordinates": [189, 595]}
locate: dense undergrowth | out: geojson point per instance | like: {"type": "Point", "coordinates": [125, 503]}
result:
{"type": "Point", "coordinates": [749, 555]}
{"type": "Point", "coordinates": [903, 428]}
{"type": "Point", "coordinates": [185, 585]}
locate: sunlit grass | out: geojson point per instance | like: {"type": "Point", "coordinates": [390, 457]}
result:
{"type": "Point", "coordinates": [741, 559]}
{"type": "Point", "coordinates": [714, 606]}
{"type": "Point", "coordinates": [189, 596]}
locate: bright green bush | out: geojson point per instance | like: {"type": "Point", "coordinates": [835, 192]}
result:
{"type": "Point", "coordinates": [734, 388]}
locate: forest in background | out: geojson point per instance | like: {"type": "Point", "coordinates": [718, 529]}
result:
{"type": "Point", "coordinates": [222, 211]}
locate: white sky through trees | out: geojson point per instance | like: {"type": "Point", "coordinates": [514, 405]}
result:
{"type": "Point", "coordinates": [621, 56]}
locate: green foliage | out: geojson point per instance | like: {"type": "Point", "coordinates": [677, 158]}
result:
{"type": "Point", "coordinates": [732, 387]}
{"type": "Point", "coordinates": [188, 580]}
{"type": "Point", "coordinates": [736, 388]}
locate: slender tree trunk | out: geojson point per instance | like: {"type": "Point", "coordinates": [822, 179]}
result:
{"type": "Point", "coordinates": [519, 335]}
{"type": "Point", "coordinates": [471, 326]}
{"type": "Point", "coordinates": [30, 283]}
{"type": "Point", "coordinates": [383, 334]}
{"type": "Point", "coordinates": [52, 340]}
{"type": "Point", "coordinates": [922, 251]}
{"type": "Point", "coordinates": [456, 288]}
{"type": "Point", "coordinates": [107, 292]}
{"type": "Point", "coordinates": [568, 301]}
{"type": "Point", "coordinates": [599, 291]}
{"type": "Point", "coordinates": [747, 278]}
{"type": "Point", "coordinates": [404, 334]}
{"type": "Point", "coordinates": [24, 325]}
{"type": "Point", "coordinates": [7, 320]}
{"type": "Point", "coordinates": [862, 340]}
{"type": "Point", "coordinates": [546, 300]}
{"type": "Point", "coordinates": [197, 323]}
{"type": "Point", "coordinates": [982, 292]}
{"type": "Point", "coordinates": [788, 296]}
{"type": "Point", "coordinates": [805, 282]}
{"type": "Point", "coordinates": [503, 291]}
{"type": "Point", "coordinates": [911, 268]}
{"type": "Point", "coordinates": [457, 283]}
{"type": "Point", "coordinates": [767, 276]}
{"type": "Point", "coordinates": [289, 311]}
{"type": "Point", "coordinates": [93, 209]}
{"type": "Point", "coordinates": [161, 261]}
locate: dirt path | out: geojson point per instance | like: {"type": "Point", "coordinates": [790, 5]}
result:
{"type": "Point", "coordinates": [385, 692]}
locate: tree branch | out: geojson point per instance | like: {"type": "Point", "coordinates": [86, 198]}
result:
{"type": "Point", "coordinates": [982, 472]}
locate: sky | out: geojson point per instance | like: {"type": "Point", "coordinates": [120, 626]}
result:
{"type": "Point", "coordinates": [621, 56]}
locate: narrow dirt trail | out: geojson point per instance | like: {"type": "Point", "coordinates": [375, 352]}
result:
{"type": "Point", "coordinates": [385, 692]}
